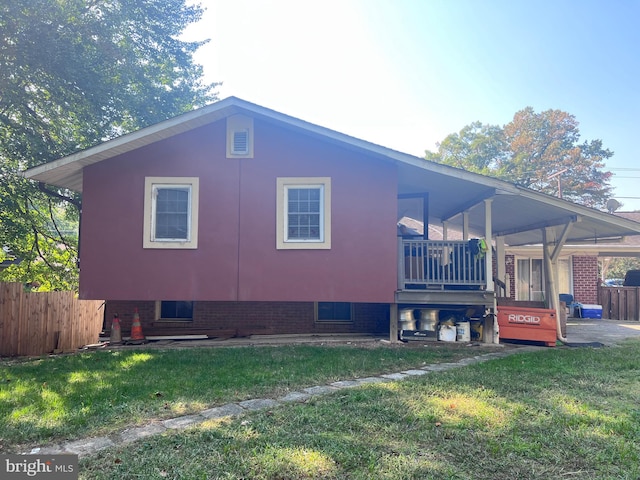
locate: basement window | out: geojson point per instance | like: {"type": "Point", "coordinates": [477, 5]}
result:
{"type": "Point", "coordinates": [340, 312]}
{"type": "Point", "coordinates": [174, 310]}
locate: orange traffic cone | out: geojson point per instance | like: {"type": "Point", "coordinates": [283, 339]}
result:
{"type": "Point", "coordinates": [136, 329]}
{"type": "Point", "coordinates": [115, 338]}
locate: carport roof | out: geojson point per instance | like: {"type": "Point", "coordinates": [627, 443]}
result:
{"type": "Point", "coordinates": [518, 214]}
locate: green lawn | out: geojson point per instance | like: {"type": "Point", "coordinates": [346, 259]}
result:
{"type": "Point", "coordinates": [555, 414]}
{"type": "Point", "coordinates": [558, 413]}
{"type": "Point", "coordinates": [100, 392]}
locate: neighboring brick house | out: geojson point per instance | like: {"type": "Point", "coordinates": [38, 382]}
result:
{"type": "Point", "coordinates": [581, 265]}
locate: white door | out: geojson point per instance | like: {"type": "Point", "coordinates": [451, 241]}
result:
{"type": "Point", "coordinates": [530, 285]}
{"type": "Point", "coordinates": [530, 279]}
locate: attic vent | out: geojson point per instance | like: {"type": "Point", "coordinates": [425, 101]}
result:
{"type": "Point", "coordinates": [240, 142]}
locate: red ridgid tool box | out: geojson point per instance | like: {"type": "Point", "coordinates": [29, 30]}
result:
{"type": "Point", "coordinates": [525, 323]}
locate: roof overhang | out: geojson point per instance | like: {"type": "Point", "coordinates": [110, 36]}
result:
{"type": "Point", "coordinates": [518, 214]}
{"type": "Point", "coordinates": [605, 249]}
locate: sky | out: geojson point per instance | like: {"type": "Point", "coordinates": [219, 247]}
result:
{"type": "Point", "coordinates": [404, 74]}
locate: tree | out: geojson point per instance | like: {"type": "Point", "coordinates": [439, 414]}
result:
{"type": "Point", "coordinates": [74, 74]}
{"type": "Point", "coordinates": [618, 267]}
{"type": "Point", "coordinates": [535, 150]}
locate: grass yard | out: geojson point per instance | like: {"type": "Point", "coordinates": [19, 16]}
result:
{"type": "Point", "coordinates": [555, 414]}
{"type": "Point", "coordinates": [96, 393]}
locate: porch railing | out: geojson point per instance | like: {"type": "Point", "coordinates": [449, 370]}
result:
{"type": "Point", "coordinates": [445, 265]}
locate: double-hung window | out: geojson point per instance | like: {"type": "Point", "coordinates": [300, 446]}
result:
{"type": "Point", "coordinates": [171, 212]}
{"type": "Point", "coordinates": [304, 213]}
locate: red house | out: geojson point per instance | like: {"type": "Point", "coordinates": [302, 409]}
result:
{"type": "Point", "coordinates": [235, 219]}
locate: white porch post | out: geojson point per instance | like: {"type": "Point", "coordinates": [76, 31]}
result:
{"type": "Point", "coordinates": [493, 335]}
{"type": "Point", "coordinates": [401, 272]}
{"type": "Point", "coordinates": [500, 262]}
{"type": "Point", "coordinates": [393, 322]}
{"type": "Point", "coordinates": [488, 233]}
{"type": "Point", "coordinates": [465, 226]}
{"type": "Point", "coordinates": [551, 275]}
{"type": "Point", "coordinates": [551, 268]}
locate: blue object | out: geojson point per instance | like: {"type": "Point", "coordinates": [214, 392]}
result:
{"type": "Point", "coordinates": [567, 298]}
{"type": "Point", "coordinates": [590, 311]}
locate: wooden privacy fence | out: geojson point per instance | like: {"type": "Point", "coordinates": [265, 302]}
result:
{"type": "Point", "coordinates": [45, 322]}
{"type": "Point", "coordinates": [620, 303]}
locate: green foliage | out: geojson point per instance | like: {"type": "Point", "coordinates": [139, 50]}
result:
{"type": "Point", "coordinates": [618, 267]}
{"type": "Point", "coordinates": [541, 151]}
{"type": "Point", "coordinates": [73, 74]}
{"type": "Point", "coordinates": [478, 148]}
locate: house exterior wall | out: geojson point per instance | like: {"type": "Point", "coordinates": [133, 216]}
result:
{"type": "Point", "coordinates": [585, 279]}
{"type": "Point", "coordinates": [230, 319]}
{"type": "Point", "coordinates": [510, 270]}
{"type": "Point", "coordinates": [236, 258]}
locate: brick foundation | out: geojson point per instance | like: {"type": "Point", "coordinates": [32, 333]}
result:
{"type": "Point", "coordinates": [231, 319]}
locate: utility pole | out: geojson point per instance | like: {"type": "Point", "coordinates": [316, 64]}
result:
{"type": "Point", "coordinates": [558, 174]}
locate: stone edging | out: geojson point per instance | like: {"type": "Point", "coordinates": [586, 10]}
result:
{"type": "Point", "coordinates": [88, 446]}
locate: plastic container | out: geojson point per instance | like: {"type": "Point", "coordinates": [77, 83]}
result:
{"type": "Point", "coordinates": [447, 333]}
{"type": "Point", "coordinates": [590, 311]}
{"type": "Point", "coordinates": [463, 332]}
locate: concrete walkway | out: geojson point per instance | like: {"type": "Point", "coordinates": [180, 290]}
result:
{"type": "Point", "coordinates": [579, 331]}
{"type": "Point", "coordinates": [608, 332]}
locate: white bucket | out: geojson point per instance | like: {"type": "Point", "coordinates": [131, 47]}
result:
{"type": "Point", "coordinates": [463, 332]}
{"type": "Point", "coordinates": [447, 333]}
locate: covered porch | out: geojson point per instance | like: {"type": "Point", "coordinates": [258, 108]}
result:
{"type": "Point", "coordinates": [443, 212]}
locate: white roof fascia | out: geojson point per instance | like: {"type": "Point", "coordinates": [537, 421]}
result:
{"type": "Point", "coordinates": [215, 111]}
{"type": "Point", "coordinates": [133, 140]}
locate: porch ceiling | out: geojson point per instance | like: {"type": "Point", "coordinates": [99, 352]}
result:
{"type": "Point", "coordinates": [518, 214]}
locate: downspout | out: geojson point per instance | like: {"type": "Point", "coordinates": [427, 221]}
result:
{"type": "Point", "coordinates": [551, 269]}
{"type": "Point", "coordinates": [488, 235]}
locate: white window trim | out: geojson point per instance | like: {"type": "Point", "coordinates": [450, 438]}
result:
{"type": "Point", "coordinates": [283, 184]}
{"type": "Point", "coordinates": [150, 183]}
